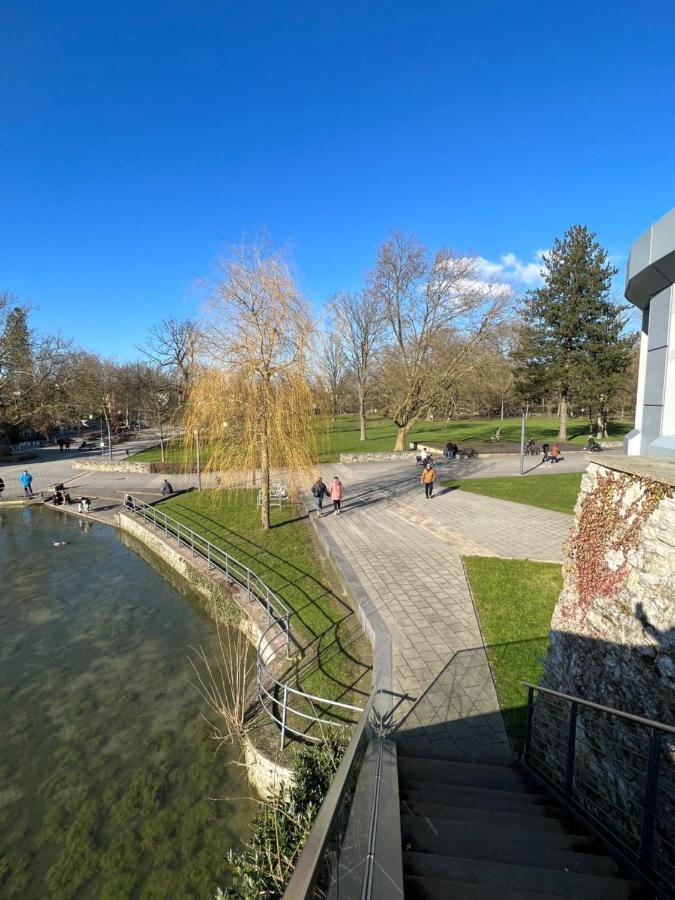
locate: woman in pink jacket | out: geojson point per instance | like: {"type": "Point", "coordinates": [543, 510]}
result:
{"type": "Point", "coordinates": [336, 490]}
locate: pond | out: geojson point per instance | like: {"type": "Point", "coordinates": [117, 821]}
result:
{"type": "Point", "coordinates": [110, 783]}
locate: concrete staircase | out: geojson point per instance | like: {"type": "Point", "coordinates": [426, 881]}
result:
{"type": "Point", "coordinates": [475, 831]}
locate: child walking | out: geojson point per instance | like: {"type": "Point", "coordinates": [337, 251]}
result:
{"type": "Point", "coordinates": [336, 490]}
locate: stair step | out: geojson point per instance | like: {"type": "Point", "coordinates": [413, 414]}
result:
{"type": "Point", "coordinates": [496, 875]}
{"type": "Point", "coordinates": [470, 774]}
{"type": "Point", "coordinates": [422, 749]}
{"type": "Point", "coordinates": [486, 803]}
{"type": "Point", "coordinates": [489, 817]}
{"type": "Point", "coordinates": [496, 834]}
{"type": "Point", "coordinates": [524, 794]}
{"type": "Point", "coordinates": [418, 888]}
{"type": "Point", "coordinates": [503, 849]}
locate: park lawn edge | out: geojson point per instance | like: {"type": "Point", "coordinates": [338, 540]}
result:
{"type": "Point", "coordinates": [556, 492]}
{"type": "Point", "coordinates": [514, 601]}
{"type": "Point", "coordinates": [343, 436]}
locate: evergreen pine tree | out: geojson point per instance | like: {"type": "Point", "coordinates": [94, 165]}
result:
{"type": "Point", "coordinates": [575, 330]}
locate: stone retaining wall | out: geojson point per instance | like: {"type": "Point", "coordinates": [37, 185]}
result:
{"type": "Point", "coordinates": [128, 465]}
{"type": "Point", "coordinates": [376, 457]}
{"type": "Point", "coordinates": [613, 629]}
{"type": "Point", "coordinates": [98, 465]}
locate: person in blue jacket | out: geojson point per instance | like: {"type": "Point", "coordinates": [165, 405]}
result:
{"type": "Point", "coordinates": [26, 480]}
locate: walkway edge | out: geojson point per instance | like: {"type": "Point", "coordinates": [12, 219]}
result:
{"type": "Point", "coordinates": [371, 621]}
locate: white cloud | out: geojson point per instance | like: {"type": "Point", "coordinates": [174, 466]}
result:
{"type": "Point", "coordinates": [513, 271]}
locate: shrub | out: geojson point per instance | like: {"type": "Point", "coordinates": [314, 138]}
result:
{"type": "Point", "coordinates": [282, 826]}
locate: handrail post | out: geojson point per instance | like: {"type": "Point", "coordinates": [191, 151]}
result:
{"type": "Point", "coordinates": [283, 716]}
{"type": "Point", "coordinates": [571, 749]}
{"type": "Point", "coordinates": [178, 533]}
{"type": "Point", "coordinates": [530, 719]}
{"type": "Point", "coordinates": [192, 541]}
{"type": "Point", "coordinates": [208, 554]}
{"type": "Point", "coordinates": [651, 787]}
{"type": "Point", "coordinates": [288, 635]}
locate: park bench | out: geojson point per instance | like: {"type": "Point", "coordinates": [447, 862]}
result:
{"type": "Point", "coordinates": [278, 495]}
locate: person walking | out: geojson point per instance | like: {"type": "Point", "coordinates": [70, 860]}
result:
{"type": "Point", "coordinates": [61, 443]}
{"type": "Point", "coordinates": [319, 490]}
{"type": "Point", "coordinates": [428, 478]}
{"type": "Point", "coordinates": [2, 487]}
{"type": "Point", "coordinates": [26, 480]}
{"type": "Point", "coordinates": [336, 490]}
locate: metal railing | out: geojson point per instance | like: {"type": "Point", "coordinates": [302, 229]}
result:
{"type": "Point", "coordinates": [292, 708]}
{"type": "Point", "coordinates": [287, 706]}
{"type": "Point", "coordinates": [614, 770]}
{"type": "Point", "coordinates": [353, 851]}
{"type": "Point", "coordinates": [278, 614]}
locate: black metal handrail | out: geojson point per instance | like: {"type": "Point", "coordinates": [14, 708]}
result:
{"type": "Point", "coordinates": [359, 821]}
{"type": "Point", "coordinates": [281, 696]}
{"type": "Point", "coordinates": [613, 769]}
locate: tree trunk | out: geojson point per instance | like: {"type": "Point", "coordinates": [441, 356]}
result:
{"type": "Point", "coordinates": [501, 416]}
{"type": "Point", "coordinates": [107, 425]}
{"type": "Point", "coordinates": [265, 466]}
{"type": "Point", "coordinates": [562, 412]}
{"type": "Point", "coordinates": [362, 413]}
{"type": "Point", "coordinates": [161, 440]}
{"type": "Point", "coordinates": [402, 437]}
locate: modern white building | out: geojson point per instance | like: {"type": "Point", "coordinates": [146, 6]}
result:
{"type": "Point", "coordinates": [650, 285]}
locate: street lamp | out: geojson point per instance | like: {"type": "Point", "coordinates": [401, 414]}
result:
{"type": "Point", "coordinates": [199, 461]}
{"type": "Point", "coordinates": [522, 444]}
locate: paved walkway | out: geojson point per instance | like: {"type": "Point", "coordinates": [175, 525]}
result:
{"type": "Point", "coordinates": [406, 553]}
{"type": "Point", "coordinates": [50, 467]}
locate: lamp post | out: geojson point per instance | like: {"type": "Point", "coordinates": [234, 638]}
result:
{"type": "Point", "coordinates": [522, 444]}
{"type": "Point", "coordinates": [199, 461]}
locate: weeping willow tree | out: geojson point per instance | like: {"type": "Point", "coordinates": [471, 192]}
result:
{"type": "Point", "coordinates": [252, 398]}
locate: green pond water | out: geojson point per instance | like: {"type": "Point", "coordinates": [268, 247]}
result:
{"type": "Point", "coordinates": [110, 784]}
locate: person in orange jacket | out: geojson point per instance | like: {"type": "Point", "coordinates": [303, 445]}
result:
{"type": "Point", "coordinates": [427, 479]}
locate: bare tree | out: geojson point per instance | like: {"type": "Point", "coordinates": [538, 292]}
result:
{"type": "Point", "coordinates": [159, 392]}
{"type": "Point", "coordinates": [173, 345]}
{"type": "Point", "coordinates": [360, 323]}
{"type": "Point", "coordinates": [331, 369]}
{"type": "Point", "coordinates": [426, 300]}
{"type": "Point", "coordinates": [252, 397]}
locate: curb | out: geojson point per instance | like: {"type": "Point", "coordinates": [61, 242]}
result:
{"type": "Point", "coordinates": [371, 621]}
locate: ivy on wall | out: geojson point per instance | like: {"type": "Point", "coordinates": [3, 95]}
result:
{"type": "Point", "coordinates": [610, 521]}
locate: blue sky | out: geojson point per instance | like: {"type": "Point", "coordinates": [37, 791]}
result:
{"type": "Point", "coordinates": [138, 138]}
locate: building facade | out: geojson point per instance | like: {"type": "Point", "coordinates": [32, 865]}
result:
{"type": "Point", "coordinates": [650, 285]}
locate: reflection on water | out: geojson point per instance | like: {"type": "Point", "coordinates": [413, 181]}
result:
{"type": "Point", "coordinates": [109, 786]}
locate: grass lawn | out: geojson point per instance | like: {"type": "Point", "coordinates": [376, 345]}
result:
{"type": "Point", "coordinates": [515, 600]}
{"type": "Point", "coordinates": [336, 658]}
{"type": "Point", "coordinates": [342, 436]}
{"type": "Point", "coordinates": [557, 492]}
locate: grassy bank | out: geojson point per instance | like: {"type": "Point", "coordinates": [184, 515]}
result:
{"type": "Point", "coordinates": [336, 656]}
{"type": "Point", "coordinates": [556, 492]}
{"type": "Point", "coordinates": [342, 436]}
{"type": "Point", "coordinates": [515, 601]}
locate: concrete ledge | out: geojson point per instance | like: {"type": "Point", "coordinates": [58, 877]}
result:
{"type": "Point", "coordinates": [654, 468]}
{"type": "Point", "coordinates": [379, 636]}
